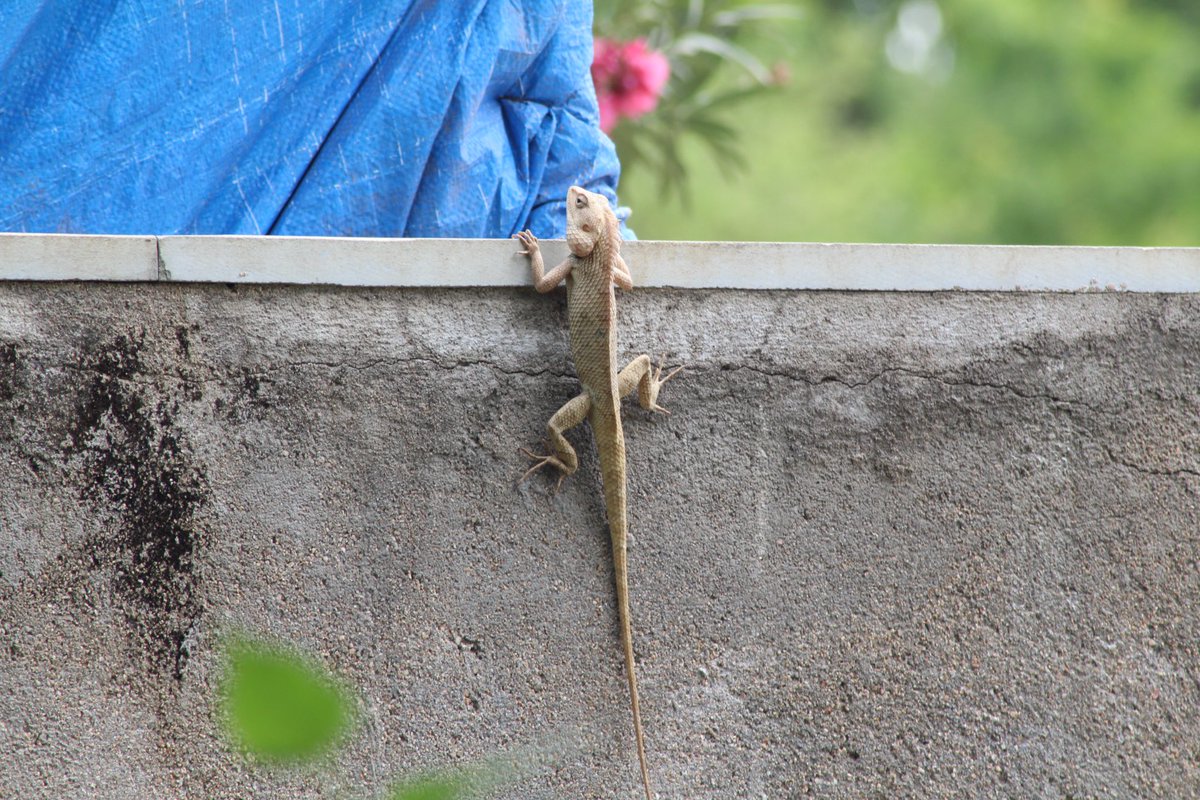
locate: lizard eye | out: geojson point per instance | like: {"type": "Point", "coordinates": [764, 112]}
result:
{"type": "Point", "coordinates": [580, 201]}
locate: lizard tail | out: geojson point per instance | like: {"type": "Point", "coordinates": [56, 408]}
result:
{"type": "Point", "coordinates": [606, 425]}
{"type": "Point", "coordinates": [621, 572]}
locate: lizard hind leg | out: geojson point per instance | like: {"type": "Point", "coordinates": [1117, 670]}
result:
{"type": "Point", "coordinates": [639, 374]}
{"type": "Point", "coordinates": [573, 412]}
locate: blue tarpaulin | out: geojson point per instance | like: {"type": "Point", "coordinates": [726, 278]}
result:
{"type": "Point", "coordinates": [307, 117]}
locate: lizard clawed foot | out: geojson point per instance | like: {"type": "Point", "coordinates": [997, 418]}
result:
{"type": "Point", "coordinates": [544, 461]}
{"type": "Point", "coordinates": [656, 382]}
{"type": "Point", "coordinates": [528, 240]}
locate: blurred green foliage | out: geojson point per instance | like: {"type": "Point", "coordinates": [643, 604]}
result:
{"type": "Point", "coordinates": [433, 788]}
{"type": "Point", "coordinates": [282, 707]}
{"type": "Point", "coordinates": [1022, 121]}
{"type": "Point", "coordinates": [712, 73]}
{"type": "Point", "coordinates": [279, 706]}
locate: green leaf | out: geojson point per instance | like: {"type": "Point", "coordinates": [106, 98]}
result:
{"type": "Point", "coordinates": [711, 129]}
{"type": "Point", "coordinates": [279, 706]}
{"type": "Point", "coordinates": [738, 16]}
{"type": "Point", "coordinates": [693, 43]}
{"type": "Point", "coordinates": [732, 96]}
{"type": "Point", "coordinates": [434, 788]}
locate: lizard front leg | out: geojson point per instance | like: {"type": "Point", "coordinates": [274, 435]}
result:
{"type": "Point", "coordinates": [638, 374]}
{"type": "Point", "coordinates": [548, 281]}
{"type": "Point", "coordinates": [563, 459]}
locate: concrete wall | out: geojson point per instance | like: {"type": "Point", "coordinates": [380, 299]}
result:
{"type": "Point", "coordinates": [888, 544]}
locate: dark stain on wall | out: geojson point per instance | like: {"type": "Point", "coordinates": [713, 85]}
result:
{"type": "Point", "coordinates": [10, 379]}
{"type": "Point", "coordinates": [8, 371]}
{"type": "Point", "coordinates": [136, 464]}
{"type": "Point", "coordinates": [252, 398]}
{"type": "Point", "coordinates": [15, 404]}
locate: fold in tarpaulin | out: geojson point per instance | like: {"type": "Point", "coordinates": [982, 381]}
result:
{"type": "Point", "coordinates": [304, 117]}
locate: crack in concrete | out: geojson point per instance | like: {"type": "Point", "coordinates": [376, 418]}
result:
{"type": "Point", "coordinates": [150, 378]}
{"type": "Point", "coordinates": [928, 376]}
{"type": "Point", "coordinates": [141, 378]}
{"type": "Point", "coordinates": [396, 361]}
{"type": "Point", "coordinates": [147, 378]}
{"type": "Point", "coordinates": [1178, 472]}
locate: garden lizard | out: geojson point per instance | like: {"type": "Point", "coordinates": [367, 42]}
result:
{"type": "Point", "coordinates": [591, 270]}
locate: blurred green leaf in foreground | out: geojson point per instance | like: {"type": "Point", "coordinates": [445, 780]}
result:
{"type": "Point", "coordinates": [279, 706]}
{"type": "Point", "coordinates": [282, 707]}
{"type": "Point", "coordinates": [434, 788]}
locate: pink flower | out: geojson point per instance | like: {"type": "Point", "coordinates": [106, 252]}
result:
{"type": "Point", "coordinates": [629, 79]}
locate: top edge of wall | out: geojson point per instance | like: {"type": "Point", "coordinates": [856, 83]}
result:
{"type": "Point", "coordinates": [692, 265]}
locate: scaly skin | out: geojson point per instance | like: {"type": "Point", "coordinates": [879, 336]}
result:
{"type": "Point", "coordinates": [590, 271]}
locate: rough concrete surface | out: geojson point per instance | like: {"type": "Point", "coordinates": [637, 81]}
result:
{"type": "Point", "coordinates": [887, 545]}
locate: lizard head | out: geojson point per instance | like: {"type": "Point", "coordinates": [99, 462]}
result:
{"type": "Point", "coordinates": [589, 217]}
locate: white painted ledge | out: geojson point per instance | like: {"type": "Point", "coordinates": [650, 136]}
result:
{"type": "Point", "coordinates": [694, 265]}
{"type": "Point", "coordinates": [55, 257]}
